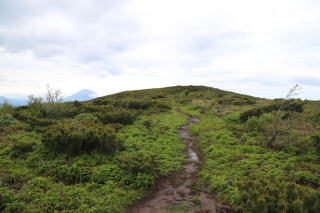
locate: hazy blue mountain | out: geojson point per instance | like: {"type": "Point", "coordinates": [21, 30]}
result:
{"type": "Point", "coordinates": [14, 102]}
{"type": "Point", "coordinates": [2, 99]}
{"type": "Point", "coordinates": [82, 95]}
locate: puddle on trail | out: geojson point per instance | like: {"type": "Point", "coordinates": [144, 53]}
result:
{"type": "Point", "coordinates": [175, 190]}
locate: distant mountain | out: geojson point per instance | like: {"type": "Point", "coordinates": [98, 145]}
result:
{"type": "Point", "coordinates": [82, 95]}
{"type": "Point", "coordinates": [14, 102]}
{"type": "Point", "coordinates": [2, 99]}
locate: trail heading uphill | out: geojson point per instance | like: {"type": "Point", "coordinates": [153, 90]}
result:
{"type": "Point", "coordinates": [173, 193]}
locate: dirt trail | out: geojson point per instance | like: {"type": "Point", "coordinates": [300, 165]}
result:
{"type": "Point", "coordinates": [173, 193]}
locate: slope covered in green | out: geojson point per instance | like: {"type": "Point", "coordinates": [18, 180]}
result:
{"type": "Point", "coordinates": [101, 155]}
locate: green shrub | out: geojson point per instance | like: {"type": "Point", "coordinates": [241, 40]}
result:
{"type": "Point", "coordinates": [108, 172]}
{"type": "Point", "coordinates": [143, 181]}
{"type": "Point", "coordinates": [23, 142]}
{"type": "Point", "coordinates": [271, 195]}
{"type": "Point", "coordinates": [157, 96]}
{"type": "Point", "coordinates": [252, 123]}
{"type": "Point", "coordinates": [292, 105]}
{"type": "Point", "coordinates": [135, 162]}
{"type": "Point", "coordinates": [76, 103]}
{"type": "Point", "coordinates": [16, 207]}
{"type": "Point", "coordinates": [33, 117]}
{"type": "Point", "coordinates": [137, 104]}
{"type": "Point", "coordinates": [306, 178]}
{"type": "Point", "coordinates": [120, 116]}
{"type": "Point", "coordinates": [5, 108]}
{"type": "Point", "coordinates": [315, 117]}
{"type": "Point", "coordinates": [40, 182]}
{"type": "Point", "coordinates": [148, 123]}
{"type": "Point", "coordinates": [5, 199]}
{"type": "Point", "coordinates": [86, 117]}
{"type": "Point", "coordinates": [6, 120]}
{"type": "Point", "coordinates": [232, 117]}
{"type": "Point", "coordinates": [194, 130]}
{"type": "Point", "coordinates": [242, 101]}
{"type": "Point", "coordinates": [163, 107]}
{"type": "Point", "coordinates": [262, 124]}
{"type": "Point", "coordinates": [75, 137]}
{"type": "Point", "coordinates": [67, 173]}
{"type": "Point", "coordinates": [217, 183]}
{"type": "Point", "coordinates": [196, 107]}
{"type": "Point", "coordinates": [75, 173]}
{"type": "Point", "coordinates": [101, 101]}
{"type": "Point", "coordinates": [22, 147]}
{"type": "Point", "coordinates": [316, 141]}
{"type": "Point", "coordinates": [256, 112]}
{"type": "Point", "coordinates": [41, 122]}
{"type": "Point", "coordinates": [225, 100]}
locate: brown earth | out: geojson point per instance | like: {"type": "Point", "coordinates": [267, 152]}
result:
{"type": "Point", "coordinates": [174, 193]}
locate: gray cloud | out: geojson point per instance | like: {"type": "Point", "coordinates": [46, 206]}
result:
{"type": "Point", "coordinates": [117, 45]}
{"type": "Point", "coordinates": [2, 79]}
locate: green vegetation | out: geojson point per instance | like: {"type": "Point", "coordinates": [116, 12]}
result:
{"type": "Point", "coordinates": [101, 155]}
{"type": "Point", "coordinates": [244, 172]}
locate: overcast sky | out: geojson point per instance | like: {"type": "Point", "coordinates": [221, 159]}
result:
{"type": "Point", "coordinates": [260, 48]}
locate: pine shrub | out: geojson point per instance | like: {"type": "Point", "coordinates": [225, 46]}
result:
{"type": "Point", "coordinates": [271, 195]}
{"type": "Point", "coordinates": [78, 137]}
{"type": "Point", "coordinates": [120, 116]}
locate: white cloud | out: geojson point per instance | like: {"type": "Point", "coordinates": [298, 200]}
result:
{"type": "Point", "coordinates": [255, 47]}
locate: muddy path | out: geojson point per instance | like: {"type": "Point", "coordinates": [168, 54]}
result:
{"type": "Point", "coordinates": [174, 193]}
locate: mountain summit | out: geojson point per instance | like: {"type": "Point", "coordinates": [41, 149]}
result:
{"type": "Point", "coordinates": [82, 95]}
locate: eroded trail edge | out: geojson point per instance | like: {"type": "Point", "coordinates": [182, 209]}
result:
{"type": "Point", "coordinates": [173, 193]}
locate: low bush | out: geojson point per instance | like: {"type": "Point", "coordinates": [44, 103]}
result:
{"type": "Point", "coordinates": [86, 117]}
{"type": "Point", "coordinates": [23, 142]}
{"type": "Point", "coordinates": [252, 123]}
{"type": "Point", "coordinates": [256, 112]}
{"type": "Point", "coordinates": [158, 96]}
{"type": "Point", "coordinates": [75, 137]}
{"type": "Point", "coordinates": [232, 117]}
{"type": "Point", "coordinates": [194, 130]}
{"type": "Point", "coordinates": [6, 120]}
{"type": "Point", "coordinates": [306, 178]}
{"type": "Point", "coordinates": [32, 117]}
{"type": "Point", "coordinates": [5, 107]}
{"type": "Point", "coordinates": [108, 172]}
{"type": "Point", "coordinates": [9, 204]}
{"type": "Point", "coordinates": [75, 173]}
{"type": "Point", "coordinates": [120, 116]}
{"type": "Point", "coordinates": [143, 181]}
{"type": "Point", "coordinates": [143, 162]}
{"type": "Point", "coordinates": [137, 104]}
{"type": "Point", "coordinates": [271, 195]}
{"type": "Point", "coordinates": [22, 147]}
{"type": "Point", "coordinates": [316, 117]}
{"type": "Point", "coordinates": [316, 141]}
{"type": "Point", "coordinates": [242, 101]}
{"type": "Point", "coordinates": [292, 105]}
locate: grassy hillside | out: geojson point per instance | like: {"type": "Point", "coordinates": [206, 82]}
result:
{"type": "Point", "coordinates": [101, 155]}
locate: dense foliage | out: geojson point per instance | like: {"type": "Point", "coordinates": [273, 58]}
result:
{"type": "Point", "coordinates": [80, 137]}
{"type": "Point", "coordinates": [285, 105]}
{"type": "Point", "coordinates": [245, 172]}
